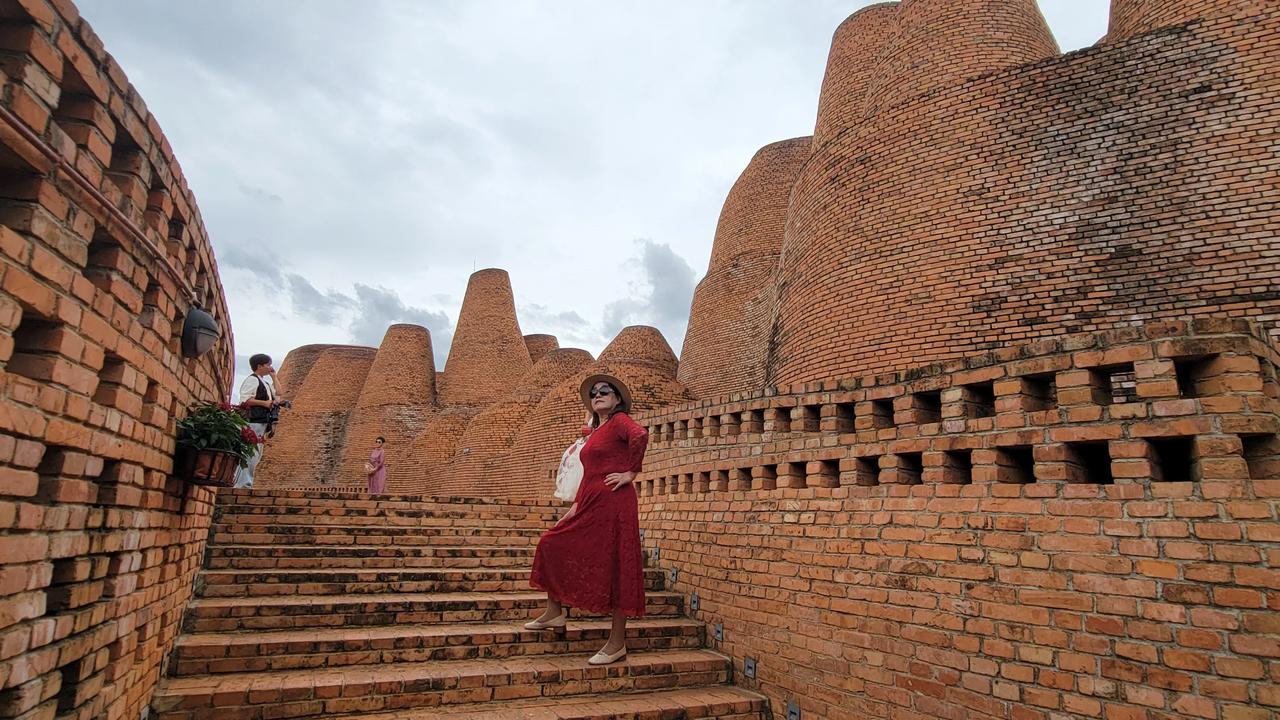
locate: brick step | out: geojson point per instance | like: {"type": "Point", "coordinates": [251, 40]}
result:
{"type": "Point", "coordinates": [319, 523]}
{"type": "Point", "coordinates": [205, 653]}
{"type": "Point", "coordinates": [255, 557]}
{"type": "Point", "coordinates": [493, 516]}
{"type": "Point", "coordinates": [326, 692]}
{"type": "Point", "coordinates": [357, 581]}
{"type": "Point", "coordinates": [254, 534]}
{"type": "Point", "coordinates": [715, 702]}
{"type": "Point", "coordinates": [313, 611]}
{"type": "Point", "coordinates": [344, 498]}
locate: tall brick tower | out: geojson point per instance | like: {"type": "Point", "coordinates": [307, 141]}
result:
{"type": "Point", "coordinates": [488, 355]}
{"type": "Point", "coordinates": [940, 43]}
{"type": "Point", "coordinates": [856, 48]}
{"type": "Point", "coordinates": [397, 400]}
{"type": "Point", "coordinates": [724, 347]}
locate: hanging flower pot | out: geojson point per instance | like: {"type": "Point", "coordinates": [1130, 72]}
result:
{"type": "Point", "coordinates": [207, 467]}
{"type": "Point", "coordinates": [214, 441]}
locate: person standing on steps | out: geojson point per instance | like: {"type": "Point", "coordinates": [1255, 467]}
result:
{"type": "Point", "coordinates": [259, 396]}
{"type": "Point", "coordinates": [377, 468]}
{"type": "Point", "coordinates": [592, 558]}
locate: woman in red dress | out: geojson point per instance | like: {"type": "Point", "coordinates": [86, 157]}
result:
{"type": "Point", "coordinates": [592, 558]}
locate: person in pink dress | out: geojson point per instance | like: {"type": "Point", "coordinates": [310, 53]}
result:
{"type": "Point", "coordinates": [377, 468]}
{"type": "Point", "coordinates": [592, 558]}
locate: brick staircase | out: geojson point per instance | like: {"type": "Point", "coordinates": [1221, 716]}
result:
{"type": "Point", "coordinates": [315, 604]}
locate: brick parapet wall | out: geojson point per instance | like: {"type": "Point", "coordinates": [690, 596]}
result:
{"type": "Point", "coordinates": [102, 251]}
{"type": "Point", "coordinates": [1075, 528]}
{"type": "Point", "coordinates": [1130, 397]}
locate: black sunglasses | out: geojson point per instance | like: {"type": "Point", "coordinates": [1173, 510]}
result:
{"type": "Point", "coordinates": [602, 391]}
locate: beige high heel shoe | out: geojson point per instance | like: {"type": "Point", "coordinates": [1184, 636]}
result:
{"type": "Point", "coordinates": [555, 622]}
{"type": "Point", "coordinates": [601, 658]}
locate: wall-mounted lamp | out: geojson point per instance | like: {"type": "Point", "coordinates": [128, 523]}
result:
{"type": "Point", "coordinates": [199, 332]}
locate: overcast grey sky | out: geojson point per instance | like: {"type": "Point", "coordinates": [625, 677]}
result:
{"type": "Point", "coordinates": [354, 161]}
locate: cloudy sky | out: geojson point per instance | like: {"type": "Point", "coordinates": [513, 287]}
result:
{"type": "Point", "coordinates": [355, 160]}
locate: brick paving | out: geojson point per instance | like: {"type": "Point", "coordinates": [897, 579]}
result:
{"type": "Point", "coordinates": [333, 605]}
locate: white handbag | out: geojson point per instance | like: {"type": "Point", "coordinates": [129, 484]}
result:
{"type": "Point", "coordinates": [569, 475]}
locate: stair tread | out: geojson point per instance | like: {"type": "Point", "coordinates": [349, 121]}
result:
{"type": "Point", "coordinates": [275, 546]}
{"type": "Point", "coordinates": [651, 660]}
{"type": "Point", "coordinates": [392, 632]}
{"type": "Point", "coordinates": [604, 705]}
{"type": "Point", "coordinates": [223, 526]}
{"type": "Point", "coordinates": [289, 572]}
{"type": "Point", "coordinates": [287, 600]}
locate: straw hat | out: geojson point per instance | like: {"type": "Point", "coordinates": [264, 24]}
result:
{"type": "Point", "coordinates": [621, 387]}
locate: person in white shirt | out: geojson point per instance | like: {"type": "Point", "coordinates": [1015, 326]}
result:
{"type": "Point", "coordinates": [258, 394]}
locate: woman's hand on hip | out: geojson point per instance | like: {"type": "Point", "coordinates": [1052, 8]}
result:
{"type": "Point", "coordinates": [616, 480]}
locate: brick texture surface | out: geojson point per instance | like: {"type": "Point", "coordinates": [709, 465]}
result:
{"type": "Point", "coordinates": [725, 344]}
{"type": "Point", "coordinates": [856, 48]}
{"type": "Point", "coordinates": [1135, 17]}
{"type": "Point", "coordinates": [540, 345]}
{"type": "Point", "coordinates": [1071, 529]}
{"type": "Point", "coordinates": [1028, 202]}
{"type": "Point", "coordinates": [102, 251]}
{"type": "Point", "coordinates": [296, 366]}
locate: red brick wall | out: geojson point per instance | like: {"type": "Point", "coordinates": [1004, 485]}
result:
{"type": "Point", "coordinates": [1077, 193]}
{"type": "Point", "coordinates": [1135, 17]}
{"type": "Point", "coordinates": [724, 346]}
{"type": "Point", "coordinates": [940, 43]}
{"type": "Point", "coordinates": [1069, 529]}
{"type": "Point", "coordinates": [102, 249]}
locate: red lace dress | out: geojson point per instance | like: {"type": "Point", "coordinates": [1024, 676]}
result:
{"type": "Point", "coordinates": [592, 558]}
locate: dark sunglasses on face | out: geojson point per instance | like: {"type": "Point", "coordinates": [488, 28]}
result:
{"type": "Point", "coordinates": [598, 392]}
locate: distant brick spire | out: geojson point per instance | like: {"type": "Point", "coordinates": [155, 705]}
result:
{"type": "Point", "coordinates": [540, 345]}
{"type": "Point", "coordinates": [307, 446]}
{"type": "Point", "coordinates": [488, 355]}
{"type": "Point", "coordinates": [397, 399]}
